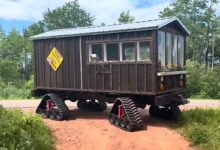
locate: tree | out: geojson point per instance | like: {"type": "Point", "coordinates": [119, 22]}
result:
{"type": "Point", "coordinates": [2, 34]}
{"type": "Point", "coordinates": [68, 16]}
{"type": "Point", "coordinates": [217, 39]}
{"type": "Point", "coordinates": [199, 17]}
{"type": "Point", "coordinates": [16, 56]}
{"type": "Point", "coordinates": [125, 17]}
{"type": "Point", "coordinates": [34, 29]}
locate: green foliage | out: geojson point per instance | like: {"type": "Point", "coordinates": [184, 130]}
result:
{"type": "Point", "coordinates": [22, 131]}
{"type": "Point", "coordinates": [12, 91]}
{"type": "Point", "coordinates": [199, 17]}
{"type": "Point", "coordinates": [125, 17]}
{"type": "Point", "coordinates": [203, 83]}
{"type": "Point", "coordinates": [16, 58]}
{"type": "Point", "coordinates": [2, 34]}
{"type": "Point", "coordinates": [9, 71]}
{"type": "Point", "coordinates": [68, 16]}
{"type": "Point", "coordinates": [193, 81]}
{"type": "Point", "coordinates": [34, 29]}
{"type": "Point", "coordinates": [217, 39]}
{"type": "Point", "coordinates": [201, 127]}
{"type": "Point", "coordinates": [210, 84]}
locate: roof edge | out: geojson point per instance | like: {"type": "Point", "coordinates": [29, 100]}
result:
{"type": "Point", "coordinates": [166, 21]}
{"type": "Point", "coordinates": [172, 20]}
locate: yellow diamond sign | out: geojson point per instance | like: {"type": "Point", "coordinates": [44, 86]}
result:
{"type": "Point", "coordinates": [55, 59]}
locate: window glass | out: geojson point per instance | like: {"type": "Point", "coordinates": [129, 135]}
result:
{"type": "Point", "coordinates": [180, 50]}
{"type": "Point", "coordinates": [174, 48]}
{"type": "Point", "coordinates": [168, 49]}
{"type": "Point", "coordinates": [112, 52]}
{"type": "Point", "coordinates": [97, 49]}
{"type": "Point", "coordinates": [128, 51]}
{"type": "Point", "coordinates": [161, 48]}
{"type": "Point", "coordinates": [144, 51]}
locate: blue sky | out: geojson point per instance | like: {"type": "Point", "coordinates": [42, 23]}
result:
{"type": "Point", "coordinates": [20, 14]}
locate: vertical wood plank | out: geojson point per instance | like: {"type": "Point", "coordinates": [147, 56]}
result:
{"type": "Point", "coordinates": [53, 73]}
{"type": "Point", "coordinates": [59, 70]}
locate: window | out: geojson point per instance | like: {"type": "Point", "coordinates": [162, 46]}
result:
{"type": "Point", "coordinates": [119, 51]}
{"type": "Point", "coordinates": [180, 50]}
{"type": "Point", "coordinates": [98, 50]}
{"type": "Point", "coordinates": [174, 48]}
{"type": "Point", "coordinates": [161, 48]}
{"type": "Point", "coordinates": [144, 51]}
{"type": "Point", "coordinates": [112, 52]}
{"type": "Point", "coordinates": [168, 49]}
{"type": "Point", "coordinates": [128, 51]}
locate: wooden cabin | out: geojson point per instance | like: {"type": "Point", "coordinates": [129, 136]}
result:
{"type": "Point", "coordinates": [144, 60]}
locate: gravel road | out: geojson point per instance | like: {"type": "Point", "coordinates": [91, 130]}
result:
{"type": "Point", "coordinates": [91, 131]}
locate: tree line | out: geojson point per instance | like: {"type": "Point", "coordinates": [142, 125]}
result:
{"type": "Point", "coordinates": [16, 50]}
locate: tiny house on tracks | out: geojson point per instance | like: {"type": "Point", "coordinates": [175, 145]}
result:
{"type": "Point", "coordinates": [131, 65]}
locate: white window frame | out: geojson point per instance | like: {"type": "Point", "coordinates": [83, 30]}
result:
{"type": "Point", "coordinates": [103, 48]}
{"type": "Point", "coordinates": [120, 51]}
{"type": "Point", "coordinates": [119, 48]}
{"type": "Point", "coordinates": [163, 48]}
{"type": "Point", "coordinates": [104, 52]}
{"type": "Point", "coordinates": [138, 50]}
{"type": "Point", "coordinates": [135, 42]}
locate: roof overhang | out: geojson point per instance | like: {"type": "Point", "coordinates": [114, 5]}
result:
{"type": "Point", "coordinates": [126, 27]}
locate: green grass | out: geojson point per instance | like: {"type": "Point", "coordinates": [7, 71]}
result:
{"type": "Point", "coordinates": [201, 127]}
{"type": "Point", "coordinates": [24, 131]}
{"type": "Point", "coordinates": [12, 92]}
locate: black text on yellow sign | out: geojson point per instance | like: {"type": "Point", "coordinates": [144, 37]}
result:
{"type": "Point", "coordinates": [55, 59]}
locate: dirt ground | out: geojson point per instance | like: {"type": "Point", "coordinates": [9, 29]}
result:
{"type": "Point", "coordinates": [91, 131]}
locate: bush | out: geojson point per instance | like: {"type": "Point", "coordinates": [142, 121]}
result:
{"type": "Point", "coordinates": [201, 127]}
{"type": "Point", "coordinates": [193, 81]}
{"type": "Point", "coordinates": [12, 91]}
{"type": "Point", "coordinates": [20, 131]}
{"type": "Point", "coordinates": [201, 82]}
{"type": "Point", "coordinates": [210, 84]}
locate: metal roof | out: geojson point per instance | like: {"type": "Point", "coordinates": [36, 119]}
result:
{"type": "Point", "coordinates": [125, 27]}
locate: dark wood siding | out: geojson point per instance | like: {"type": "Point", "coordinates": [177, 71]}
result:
{"type": "Point", "coordinates": [53, 76]}
{"type": "Point", "coordinates": [72, 64]}
{"type": "Point", "coordinates": [127, 77]}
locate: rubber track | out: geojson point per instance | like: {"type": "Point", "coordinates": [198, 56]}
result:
{"type": "Point", "coordinates": [59, 103]}
{"type": "Point", "coordinates": [132, 113]}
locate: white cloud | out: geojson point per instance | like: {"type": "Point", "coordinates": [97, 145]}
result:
{"type": "Point", "coordinates": [106, 11]}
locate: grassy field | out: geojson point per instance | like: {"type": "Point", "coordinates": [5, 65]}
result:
{"type": "Point", "coordinates": [201, 127]}
{"type": "Point", "coordinates": [24, 131]}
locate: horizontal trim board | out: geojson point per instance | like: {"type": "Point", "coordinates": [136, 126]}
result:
{"type": "Point", "coordinates": [171, 73]}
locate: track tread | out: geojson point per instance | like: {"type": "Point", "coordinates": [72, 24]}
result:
{"type": "Point", "coordinates": [131, 113]}
{"type": "Point", "coordinates": [59, 103]}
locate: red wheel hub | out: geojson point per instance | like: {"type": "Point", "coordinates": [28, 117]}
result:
{"type": "Point", "coordinates": [121, 112]}
{"type": "Point", "coordinates": [49, 105]}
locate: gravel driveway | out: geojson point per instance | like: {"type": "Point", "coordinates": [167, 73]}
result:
{"type": "Point", "coordinates": [91, 130]}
